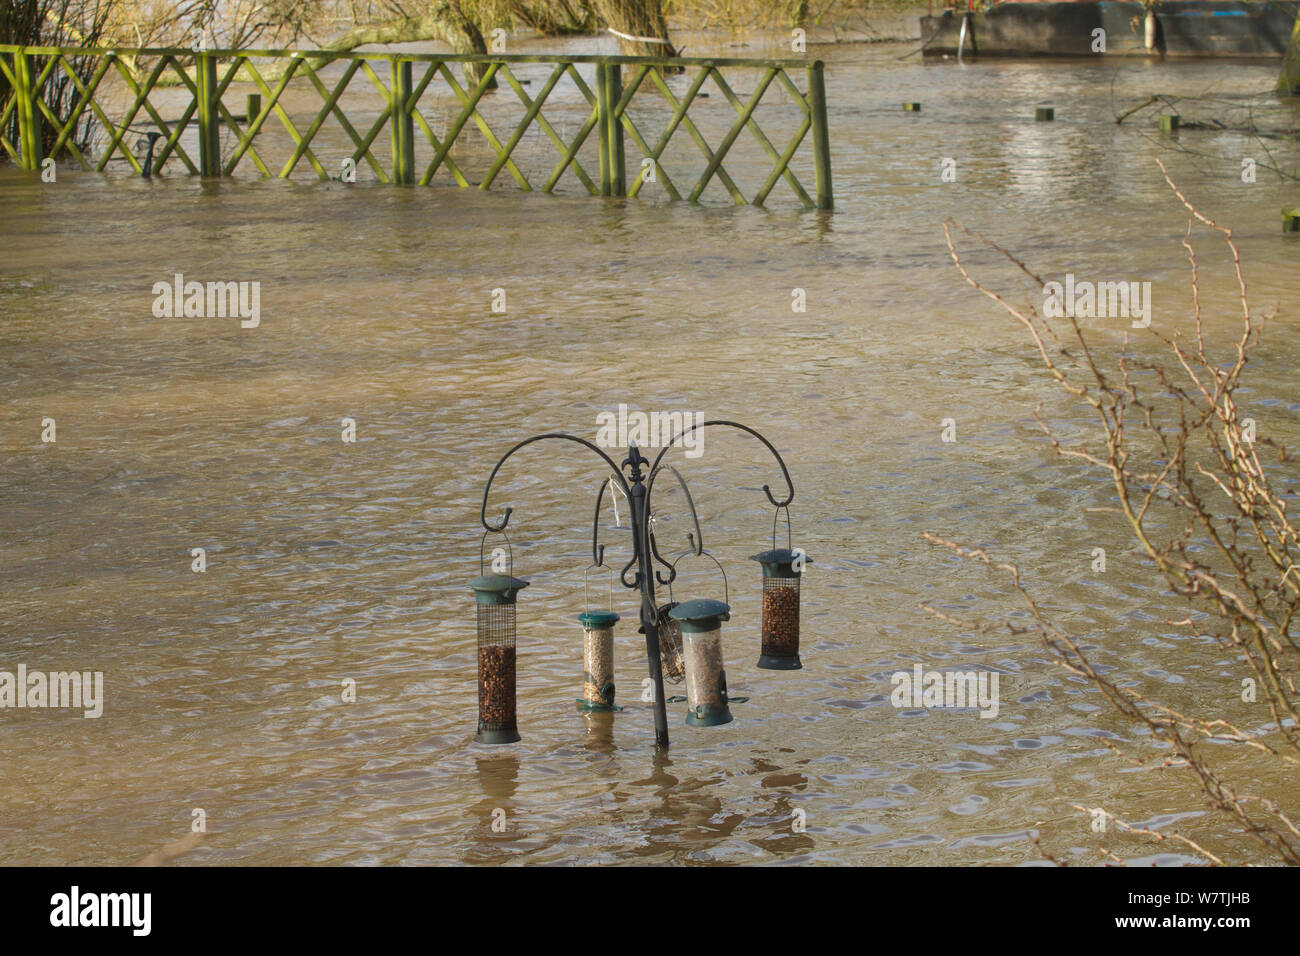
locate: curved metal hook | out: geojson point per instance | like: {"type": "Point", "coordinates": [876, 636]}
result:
{"type": "Point", "coordinates": [636, 578]}
{"type": "Point", "coordinates": [697, 541]}
{"type": "Point", "coordinates": [672, 571]}
{"type": "Point", "coordinates": [785, 472]}
{"type": "Point", "coordinates": [505, 518]}
{"type": "Point", "coordinates": [695, 518]}
{"type": "Point", "coordinates": [597, 549]}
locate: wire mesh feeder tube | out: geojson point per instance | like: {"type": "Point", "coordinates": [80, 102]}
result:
{"type": "Point", "coordinates": [598, 660]}
{"type": "Point", "coordinates": [671, 662]}
{"type": "Point", "coordinates": [494, 596]}
{"type": "Point", "coordinates": [706, 678]}
{"type": "Point", "coordinates": [780, 650]}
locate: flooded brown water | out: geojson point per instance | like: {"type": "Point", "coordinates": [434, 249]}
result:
{"type": "Point", "coordinates": [329, 561]}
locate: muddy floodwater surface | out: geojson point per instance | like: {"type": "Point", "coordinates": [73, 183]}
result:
{"type": "Point", "coordinates": [330, 562]}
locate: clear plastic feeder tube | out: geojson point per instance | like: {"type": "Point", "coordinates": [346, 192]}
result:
{"type": "Point", "coordinates": [706, 676]}
{"type": "Point", "coordinates": [706, 679]}
{"type": "Point", "coordinates": [598, 660]}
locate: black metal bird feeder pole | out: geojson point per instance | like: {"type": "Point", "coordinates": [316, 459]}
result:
{"type": "Point", "coordinates": [641, 546]}
{"type": "Point", "coordinates": [635, 486]}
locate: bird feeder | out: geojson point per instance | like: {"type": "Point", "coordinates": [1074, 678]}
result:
{"type": "Point", "coordinates": [682, 641]}
{"type": "Point", "coordinates": [671, 662]}
{"type": "Point", "coordinates": [780, 651]}
{"type": "Point", "coordinates": [598, 660]}
{"type": "Point", "coordinates": [706, 678]}
{"type": "Point", "coordinates": [782, 572]}
{"type": "Point", "coordinates": [598, 653]}
{"type": "Point", "coordinates": [494, 597]}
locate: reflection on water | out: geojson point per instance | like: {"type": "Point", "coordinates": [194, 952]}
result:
{"type": "Point", "coordinates": [599, 738]}
{"type": "Point", "coordinates": [330, 561]}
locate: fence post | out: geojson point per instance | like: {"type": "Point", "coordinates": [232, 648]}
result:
{"type": "Point", "coordinates": [209, 117]}
{"type": "Point", "coordinates": [617, 162]}
{"type": "Point", "coordinates": [602, 127]}
{"type": "Point", "coordinates": [403, 124]}
{"type": "Point", "coordinates": [821, 135]}
{"type": "Point", "coordinates": [30, 132]}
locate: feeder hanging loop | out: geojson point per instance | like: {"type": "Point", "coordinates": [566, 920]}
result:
{"type": "Point", "coordinates": [510, 553]}
{"type": "Point", "coordinates": [789, 531]}
{"type": "Point", "coordinates": [726, 595]}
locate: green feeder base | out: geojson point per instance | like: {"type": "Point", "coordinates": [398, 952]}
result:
{"type": "Point", "coordinates": [708, 716]}
{"type": "Point", "coordinates": [587, 708]}
{"type": "Point", "coordinates": [770, 662]}
{"type": "Point", "coordinates": [484, 736]}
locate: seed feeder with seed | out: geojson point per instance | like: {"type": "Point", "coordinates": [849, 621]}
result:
{"type": "Point", "coordinates": [782, 572]}
{"type": "Point", "coordinates": [682, 641]}
{"type": "Point", "coordinates": [598, 651]}
{"type": "Point", "coordinates": [672, 663]}
{"type": "Point", "coordinates": [700, 621]}
{"type": "Point", "coordinates": [706, 677]}
{"type": "Point", "coordinates": [494, 600]}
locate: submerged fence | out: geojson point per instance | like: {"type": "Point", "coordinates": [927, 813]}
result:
{"type": "Point", "coordinates": [609, 102]}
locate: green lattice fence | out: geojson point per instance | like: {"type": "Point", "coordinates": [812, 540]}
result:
{"type": "Point", "coordinates": [304, 110]}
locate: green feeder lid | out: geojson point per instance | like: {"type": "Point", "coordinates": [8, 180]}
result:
{"type": "Point", "coordinates": [497, 588]}
{"type": "Point", "coordinates": [778, 562]}
{"type": "Point", "coordinates": [597, 619]}
{"type": "Point", "coordinates": [701, 615]}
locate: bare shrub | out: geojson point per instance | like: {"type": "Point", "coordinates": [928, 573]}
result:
{"type": "Point", "coordinates": [1191, 481]}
